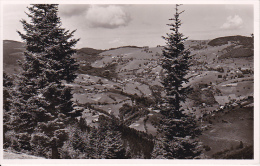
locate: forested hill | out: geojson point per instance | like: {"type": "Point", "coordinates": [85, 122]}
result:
{"type": "Point", "coordinates": [243, 40]}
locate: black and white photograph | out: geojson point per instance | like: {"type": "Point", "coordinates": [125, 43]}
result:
{"type": "Point", "coordinates": [156, 81]}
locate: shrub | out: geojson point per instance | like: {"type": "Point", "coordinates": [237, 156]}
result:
{"type": "Point", "coordinates": [206, 147]}
{"type": "Point", "coordinates": [245, 153]}
{"type": "Point", "coordinates": [24, 141]}
{"type": "Point", "coordinates": [40, 143]}
{"type": "Point", "coordinates": [12, 140]}
{"type": "Point", "coordinates": [241, 145]}
{"type": "Point", "coordinates": [68, 152]}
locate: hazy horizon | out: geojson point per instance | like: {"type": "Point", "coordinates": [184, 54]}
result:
{"type": "Point", "coordinates": [136, 45]}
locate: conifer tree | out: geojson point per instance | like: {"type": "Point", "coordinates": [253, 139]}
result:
{"type": "Point", "coordinates": [177, 128]}
{"type": "Point", "coordinates": [43, 105]}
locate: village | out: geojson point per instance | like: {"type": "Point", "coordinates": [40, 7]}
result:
{"type": "Point", "coordinates": [217, 83]}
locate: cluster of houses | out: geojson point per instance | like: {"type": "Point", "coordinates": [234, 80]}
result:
{"type": "Point", "coordinates": [227, 103]}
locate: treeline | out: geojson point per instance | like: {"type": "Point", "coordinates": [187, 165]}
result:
{"type": "Point", "coordinates": [125, 47]}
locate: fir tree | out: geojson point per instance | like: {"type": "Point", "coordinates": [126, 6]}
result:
{"type": "Point", "coordinates": [43, 105]}
{"type": "Point", "coordinates": [178, 129]}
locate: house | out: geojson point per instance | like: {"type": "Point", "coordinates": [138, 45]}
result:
{"type": "Point", "coordinates": [250, 97]}
{"type": "Point", "coordinates": [246, 70]}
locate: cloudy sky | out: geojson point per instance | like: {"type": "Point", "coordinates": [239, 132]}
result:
{"type": "Point", "coordinates": [107, 26]}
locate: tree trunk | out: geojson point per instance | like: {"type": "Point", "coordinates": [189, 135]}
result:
{"type": "Point", "coordinates": [55, 153]}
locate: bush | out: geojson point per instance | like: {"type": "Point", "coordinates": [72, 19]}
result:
{"type": "Point", "coordinates": [24, 141]}
{"type": "Point", "coordinates": [12, 140]}
{"type": "Point", "coordinates": [245, 153]}
{"type": "Point", "coordinates": [206, 147]}
{"type": "Point", "coordinates": [61, 135]}
{"type": "Point", "coordinates": [241, 145]}
{"type": "Point", "coordinates": [68, 152]}
{"type": "Point", "coordinates": [40, 143]}
{"type": "Point", "coordinates": [77, 142]}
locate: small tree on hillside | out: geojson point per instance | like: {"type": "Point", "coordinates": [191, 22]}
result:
{"type": "Point", "coordinates": [43, 105]}
{"type": "Point", "coordinates": [177, 128]}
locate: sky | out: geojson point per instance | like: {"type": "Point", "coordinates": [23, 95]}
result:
{"type": "Point", "coordinates": [113, 25]}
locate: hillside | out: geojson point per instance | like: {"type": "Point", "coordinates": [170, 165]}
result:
{"type": "Point", "coordinates": [240, 46]}
{"type": "Point", "coordinates": [239, 52]}
{"type": "Point", "coordinates": [12, 51]}
{"type": "Point", "coordinates": [242, 40]}
{"type": "Point", "coordinates": [89, 51]}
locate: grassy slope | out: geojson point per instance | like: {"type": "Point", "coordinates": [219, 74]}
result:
{"type": "Point", "coordinates": [227, 129]}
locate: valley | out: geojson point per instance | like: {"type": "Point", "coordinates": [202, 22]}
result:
{"type": "Point", "coordinates": [125, 83]}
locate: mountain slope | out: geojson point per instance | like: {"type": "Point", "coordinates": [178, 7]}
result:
{"type": "Point", "coordinates": [12, 52]}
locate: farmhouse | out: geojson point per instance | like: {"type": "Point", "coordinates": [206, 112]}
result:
{"type": "Point", "coordinates": [230, 85]}
{"type": "Point", "coordinates": [232, 72]}
{"type": "Point", "coordinates": [245, 70]}
{"type": "Point", "coordinates": [157, 111]}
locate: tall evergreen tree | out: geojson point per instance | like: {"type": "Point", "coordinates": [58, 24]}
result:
{"type": "Point", "coordinates": [43, 105]}
{"type": "Point", "coordinates": [178, 129]}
